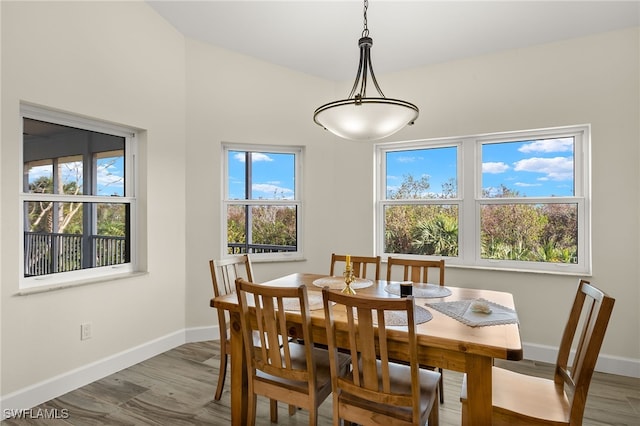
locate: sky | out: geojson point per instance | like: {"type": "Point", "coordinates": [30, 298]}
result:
{"type": "Point", "coordinates": [533, 168]}
{"type": "Point", "coordinates": [540, 168]}
{"type": "Point", "coordinates": [536, 168]}
{"type": "Point", "coordinates": [273, 175]}
{"type": "Point", "coordinates": [110, 174]}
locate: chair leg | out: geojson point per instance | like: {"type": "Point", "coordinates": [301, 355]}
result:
{"type": "Point", "coordinates": [251, 415]}
{"type": "Point", "coordinates": [222, 374]}
{"type": "Point", "coordinates": [434, 415]}
{"type": "Point", "coordinates": [464, 414]}
{"type": "Point", "coordinates": [292, 410]}
{"type": "Point", "coordinates": [273, 410]}
{"type": "Point", "coordinates": [441, 386]}
{"type": "Point", "coordinates": [313, 416]}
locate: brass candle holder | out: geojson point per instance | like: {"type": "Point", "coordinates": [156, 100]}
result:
{"type": "Point", "coordinates": [348, 279]}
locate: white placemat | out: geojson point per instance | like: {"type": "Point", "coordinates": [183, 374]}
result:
{"type": "Point", "coordinates": [399, 318]}
{"type": "Point", "coordinates": [315, 303]}
{"type": "Point", "coordinates": [421, 290]}
{"type": "Point", "coordinates": [462, 311]}
{"type": "Point", "coordinates": [337, 283]}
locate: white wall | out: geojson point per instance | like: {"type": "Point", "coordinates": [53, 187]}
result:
{"type": "Point", "coordinates": [593, 80]}
{"type": "Point", "coordinates": [121, 62]}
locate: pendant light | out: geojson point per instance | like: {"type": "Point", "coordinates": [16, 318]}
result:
{"type": "Point", "coordinates": [360, 117]}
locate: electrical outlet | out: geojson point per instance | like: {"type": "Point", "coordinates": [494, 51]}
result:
{"type": "Point", "coordinates": [85, 331]}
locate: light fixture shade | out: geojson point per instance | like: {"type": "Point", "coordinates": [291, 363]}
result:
{"type": "Point", "coordinates": [365, 118]}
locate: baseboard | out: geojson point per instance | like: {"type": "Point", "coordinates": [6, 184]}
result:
{"type": "Point", "coordinates": [54, 387]}
{"type": "Point", "coordinates": [202, 334]}
{"type": "Point", "coordinates": [610, 364]}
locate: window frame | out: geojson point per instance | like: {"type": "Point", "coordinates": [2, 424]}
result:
{"type": "Point", "coordinates": [298, 153]}
{"type": "Point", "coordinates": [94, 274]}
{"type": "Point", "coordinates": [469, 197]}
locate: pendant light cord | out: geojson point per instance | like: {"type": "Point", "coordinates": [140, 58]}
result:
{"type": "Point", "coordinates": [365, 31]}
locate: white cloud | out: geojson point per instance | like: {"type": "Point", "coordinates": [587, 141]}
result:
{"type": "Point", "coordinates": [255, 157]}
{"type": "Point", "coordinates": [527, 185]}
{"type": "Point", "coordinates": [271, 191]}
{"type": "Point", "coordinates": [110, 181]}
{"type": "Point", "coordinates": [557, 168]}
{"type": "Point", "coordinates": [408, 159]}
{"type": "Point", "coordinates": [494, 167]}
{"type": "Point", "coordinates": [39, 171]}
{"type": "Point", "coordinates": [549, 145]}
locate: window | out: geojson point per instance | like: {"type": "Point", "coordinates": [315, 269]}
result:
{"type": "Point", "coordinates": [77, 198]}
{"type": "Point", "coordinates": [262, 201]}
{"type": "Point", "coordinates": [514, 201]}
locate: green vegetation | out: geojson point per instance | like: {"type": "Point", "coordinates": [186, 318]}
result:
{"type": "Point", "coordinates": [517, 231]}
{"type": "Point", "coordinates": [424, 223]}
{"type": "Point", "coordinates": [111, 216]}
{"type": "Point", "coordinates": [270, 225]}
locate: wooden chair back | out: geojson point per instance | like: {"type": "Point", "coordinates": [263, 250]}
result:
{"type": "Point", "coordinates": [363, 266]}
{"type": "Point", "coordinates": [369, 392]}
{"type": "Point", "coordinates": [584, 332]}
{"type": "Point", "coordinates": [224, 273]}
{"type": "Point", "coordinates": [278, 367]}
{"type": "Point", "coordinates": [223, 276]}
{"type": "Point", "coordinates": [417, 270]}
{"type": "Point", "coordinates": [520, 399]}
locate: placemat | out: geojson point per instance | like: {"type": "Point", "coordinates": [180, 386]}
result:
{"type": "Point", "coordinates": [421, 290]}
{"type": "Point", "coordinates": [461, 311]}
{"type": "Point", "coordinates": [337, 283]}
{"type": "Point", "coordinates": [399, 318]}
{"type": "Point", "coordinates": [315, 303]}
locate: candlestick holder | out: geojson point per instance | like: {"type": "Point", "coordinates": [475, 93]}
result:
{"type": "Point", "coordinates": [348, 279]}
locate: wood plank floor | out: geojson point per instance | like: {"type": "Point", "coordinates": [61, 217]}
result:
{"type": "Point", "coordinates": [177, 388]}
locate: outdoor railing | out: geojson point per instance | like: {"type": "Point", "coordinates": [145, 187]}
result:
{"type": "Point", "coordinates": [242, 248]}
{"type": "Point", "coordinates": [48, 253]}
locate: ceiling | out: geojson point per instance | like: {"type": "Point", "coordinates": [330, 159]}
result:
{"type": "Point", "coordinates": [321, 37]}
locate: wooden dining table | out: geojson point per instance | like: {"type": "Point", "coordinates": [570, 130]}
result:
{"type": "Point", "coordinates": [443, 341]}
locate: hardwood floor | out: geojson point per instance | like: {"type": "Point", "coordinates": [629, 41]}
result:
{"type": "Point", "coordinates": [177, 388]}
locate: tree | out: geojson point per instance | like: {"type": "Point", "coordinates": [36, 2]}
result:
{"type": "Point", "coordinates": [41, 213]}
{"type": "Point", "coordinates": [438, 237]}
{"type": "Point", "coordinates": [412, 229]}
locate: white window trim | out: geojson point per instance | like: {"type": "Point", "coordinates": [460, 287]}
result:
{"type": "Point", "coordinates": [470, 197]}
{"type": "Point", "coordinates": [298, 151]}
{"type": "Point", "coordinates": [90, 275]}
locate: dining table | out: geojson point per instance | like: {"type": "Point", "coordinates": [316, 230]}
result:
{"type": "Point", "coordinates": [445, 339]}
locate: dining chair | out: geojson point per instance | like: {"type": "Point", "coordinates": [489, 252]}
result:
{"type": "Point", "coordinates": [417, 270]}
{"type": "Point", "coordinates": [519, 399]}
{"type": "Point", "coordinates": [360, 265]}
{"type": "Point", "coordinates": [377, 391]}
{"type": "Point", "coordinates": [278, 367]}
{"type": "Point", "coordinates": [223, 276]}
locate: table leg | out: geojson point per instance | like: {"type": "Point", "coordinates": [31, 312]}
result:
{"type": "Point", "coordinates": [239, 378]}
{"type": "Point", "coordinates": [479, 389]}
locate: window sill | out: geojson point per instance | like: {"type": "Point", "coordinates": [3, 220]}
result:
{"type": "Point", "coordinates": [78, 283]}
